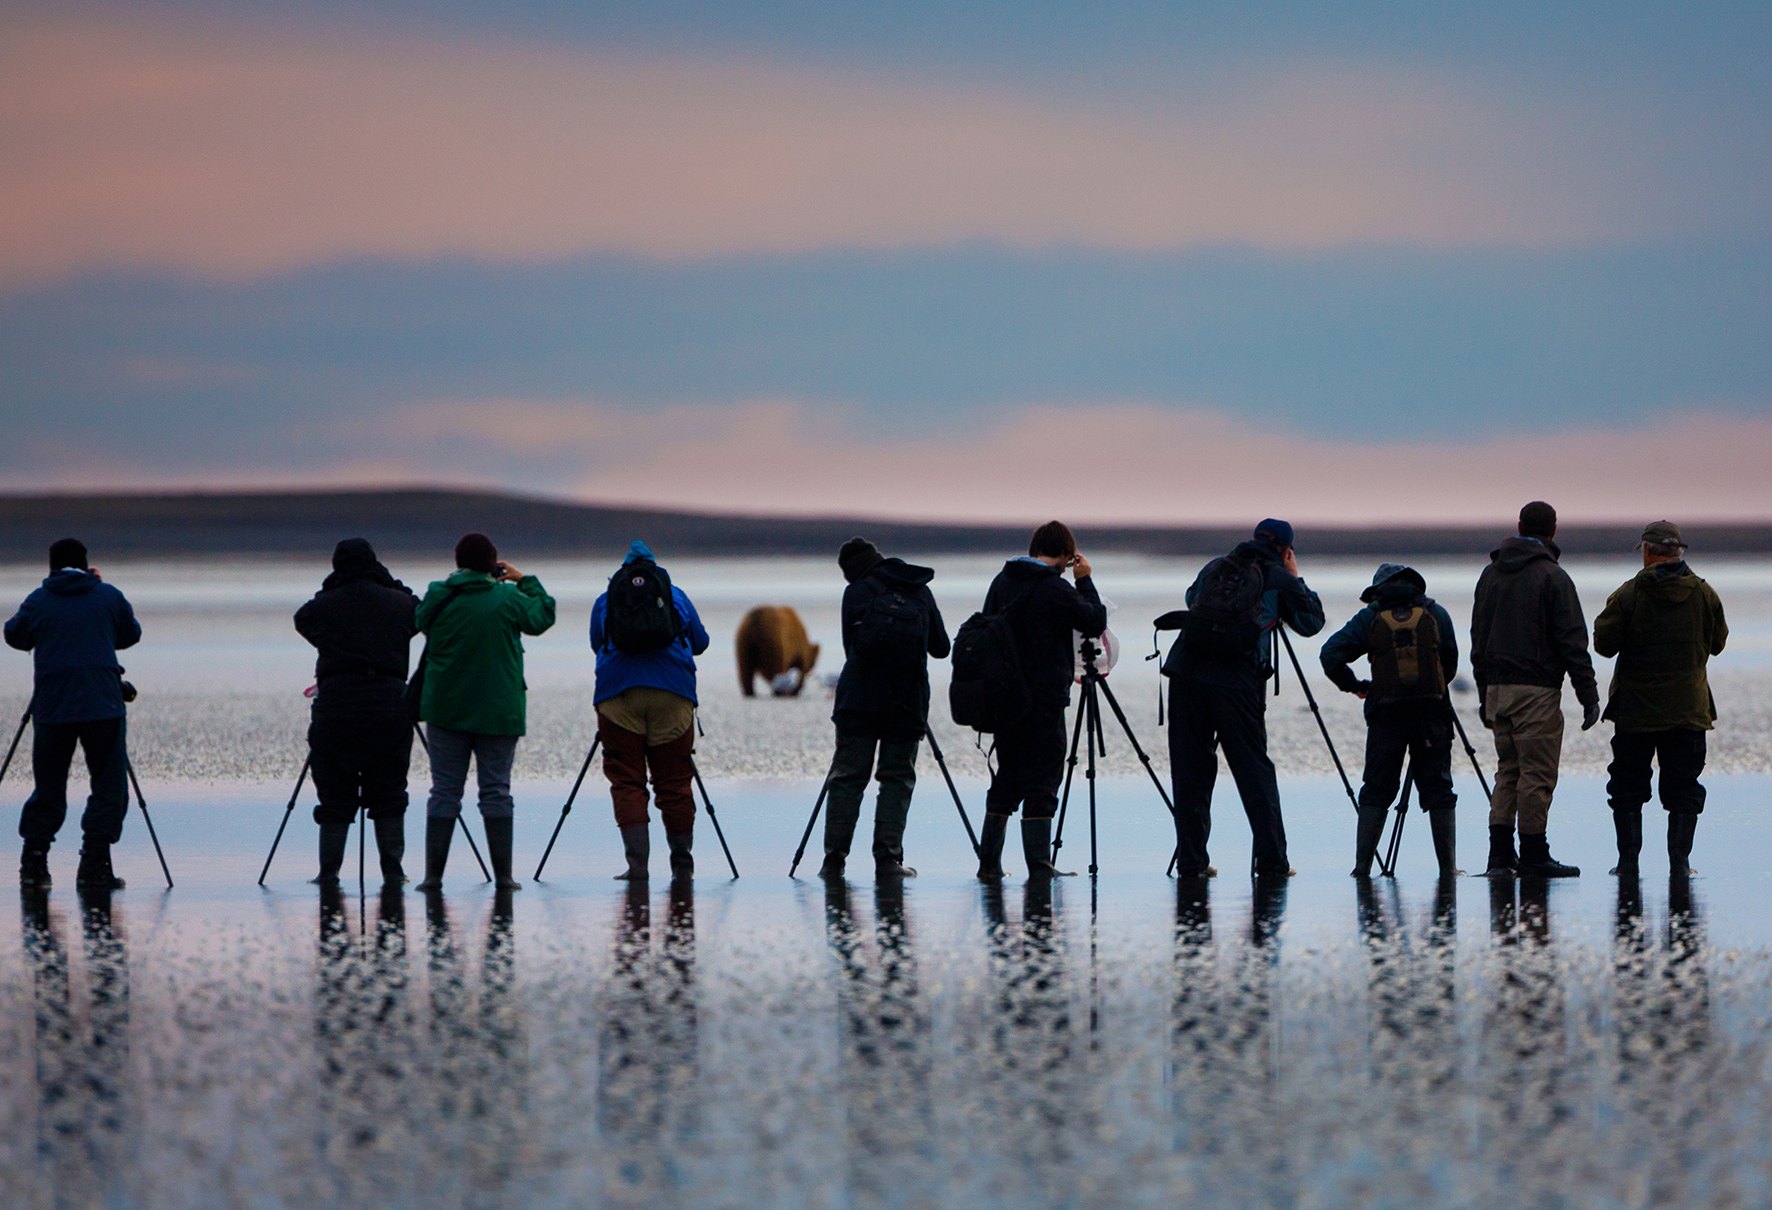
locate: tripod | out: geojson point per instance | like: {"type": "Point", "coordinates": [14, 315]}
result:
{"type": "Point", "coordinates": [1388, 866]}
{"type": "Point", "coordinates": [1095, 687]}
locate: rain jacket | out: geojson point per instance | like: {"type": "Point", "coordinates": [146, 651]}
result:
{"type": "Point", "coordinates": [474, 681]}
{"type": "Point", "coordinates": [1354, 640]}
{"type": "Point", "coordinates": [73, 626]}
{"type": "Point", "coordinates": [889, 703]}
{"type": "Point", "coordinates": [1285, 599]}
{"type": "Point", "coordinates": [1526, 626]}
{"type": "Point", "coordinates": [1663, 625]}
{"type": "Point", "coordinates": [361, 622]}
{"type": "Point", "coordinates": [1046, 611]}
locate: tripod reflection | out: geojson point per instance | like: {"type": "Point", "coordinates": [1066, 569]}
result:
{"type": "Point", "coordinates": [1412, 993]}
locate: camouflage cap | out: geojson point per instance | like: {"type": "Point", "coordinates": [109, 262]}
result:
{"type": "Point", "coordinates": [1662, 533]}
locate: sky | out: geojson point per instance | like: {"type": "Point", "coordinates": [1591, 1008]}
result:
{"type": "Point", "coordinates": [1392, 263]}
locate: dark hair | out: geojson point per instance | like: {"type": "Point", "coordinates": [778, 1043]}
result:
{"type": "Point", "coordinates": [476, 553]}
{"type": "Point", "coordinates": [1053, 540]}
{"type": "Point", "coordinates": [69, 552]}
{"type": "Point", "coordinates": [1538, 520]}
{"type": "Point", "coordinates": [858, 557]}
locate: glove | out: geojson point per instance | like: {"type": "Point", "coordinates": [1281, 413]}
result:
{"type": "Point", "coordinates": [1590, 714]}
{"type": "Point", "coordinates": [1483, 717]}
{"type": "Point", "coordinates": [1362, 689]}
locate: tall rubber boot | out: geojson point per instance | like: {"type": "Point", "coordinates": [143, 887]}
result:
{"type": "Point", "coordinates": [1502, 861]}
{"type": "Point", "coordinates": [682, 859]}
{"type": "Point", "coordinates": [390, 846]}
{"type": "Point", "coordinates": [33, 866]}
{"type": "Point", "coordinates": [839, 834]}
{"type": "Point", "coordinates": [95, 873]}
{"type": "Point", "coordinates": [1680, 830]}
{"type": "Point", "coordinates": [1036, 847]}
{"type": "Point", "coordinates": [1629, 827]}
{"type": "Point", "coordinates": [990, 846]}
{"type": "Point", "coordinates": [1536, 860]}
{"type": "Point", "coordinates": [498, 852]}
{"type": "Point", "coordinates": [1366, 837]}
{"type": "Point", "coordinates": [636, 844]}
{"type": "Point", "coordinates": [439, 831]}
{"type": "Point", "coordinates": [333, 837]}
{"type": "Point", "coordinates": [1444, 826]}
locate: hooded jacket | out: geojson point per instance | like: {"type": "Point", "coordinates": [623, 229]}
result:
{"type": "Point", "coordinates": [1047, 609]}
{"type": "Point", "coordinates": [1284, 600]}
{"type": "Point", "coordinates": [361, 622]}
{"type": "Point", "coordinates": [1526, 626]}
{"type": "Point", "coordinates": [1663, 625]}
{"type": "Point", "coordinates": [73, 626]}
{"type": "Point", "coordinates": [1405, 590]}
{"type": "Point", "coordinates": [474, 681]}
{"type": "Point", "coordinates": [881, 702]}
{"type": "Point", "coordinates": [671, 668]}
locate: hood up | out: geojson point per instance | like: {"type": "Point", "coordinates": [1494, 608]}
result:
{"type": "Point", "coordinates": [900, 572]}
{"type": "Point", "coordinates": [1394, 581]}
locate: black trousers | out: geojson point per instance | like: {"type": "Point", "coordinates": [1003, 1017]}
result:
{"type": "Point", "coordinates": [360, 761]}
{"type": "Point", "coordinates": [1422, 734]}
{"type": "Point", "coordinates": [107, 767]}
{"type": "Point", "coordinates": [1030, 768]}
{"type": "Point", "coordinates": [1681, 756]}
{"type": "Point", "coordinates": [1201, 717]}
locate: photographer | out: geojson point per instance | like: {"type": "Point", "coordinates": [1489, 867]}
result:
{"type": "Point", "coordinates": [1215, 693]}
{"type": "Point", "coordinates": [361, 622]}
{"type": "Point", "coordinates": [1043, 611]}
{"type": "Point", "coordinates": [891, 626]}
{"type": "Point", "coordinates": [474, 696]}
{"type": "Point", "coordinates": [74, 625]}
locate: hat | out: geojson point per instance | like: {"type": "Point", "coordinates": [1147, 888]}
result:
{"type": "Point", "coordinates": [476, 553]}
{"type": "Point", "coordinates": [1662, 533]}
{"type": "Point", "coordinates": [353, 554]}
{"type": "Point", "coordinates": [638, 552]}
{"type": "Point", "coordinates": [857, 558]}
{"type": "Point", "coordinates": [1538, 520]}
{"type": "Point", "coordinates": [1275, 531]}
{"type": "Point", "coordinates": [69, 552]}
{"type": "Point", "coordinates": [1390, 571]}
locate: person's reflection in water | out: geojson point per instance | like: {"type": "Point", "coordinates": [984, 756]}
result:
{"type": "Point", "coordinates": [1524, 1048]}
{"type": "Point", "coordinates": [1197, 1032]}
{"type": "Point", "coordinates": [1254, 1042]}
{"type": "Point", "coordinates": [499, 1066]}
{"type": "Point", "coordinates": [1412, 995]}
{"type": "Point", "coordinates": [648, 1050]}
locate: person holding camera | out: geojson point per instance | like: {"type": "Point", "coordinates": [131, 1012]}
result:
{"type": "Point", "coordinates": [73, 626]}
{"type": "Point", "coordinates": [361, 623]}
{"type": "Point", "coordinates": [1217, 672]}
{"type": "Point", "coordinates": [1042, 610]}
{"type": "Point", "coordinates": [474, 697]}
{"type": "Point", "coordinates": [891, 626]}
{"type": "Point", "coordinates": [647, 634]}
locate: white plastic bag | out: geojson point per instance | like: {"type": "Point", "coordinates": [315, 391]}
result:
{"type": "Point", "coordinates": [1107, 647]}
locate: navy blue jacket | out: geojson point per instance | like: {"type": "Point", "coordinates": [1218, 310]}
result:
{"type": "Point", "coordinates": [1285, 599]}
{"type": "Point", "coordinates": [1355, 639]}
{"type": "Point", "coordinates": [74, 625]}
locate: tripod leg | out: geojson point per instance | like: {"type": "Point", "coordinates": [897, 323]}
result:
{"type": "Point", "coordinates": [935, 749]}
{"type": "Point", "coordinates": [1388, 867]}
{"type": "Point", "coordinates": [484, 872]}
{"type": "Point", "coordinates": [362, 844]}
{"type": "Point", "coordinates": [806, 836]}
{"type": "Point", "coordinates": [1125, 726]}
{"type": "Point", "coordinates": [713, 818]}
{"type": "Point", "coordinates": [1468, 751]}
{"type": "Point", "coordinates": [16, 736]}
{"type": "Point", "coordinates": [567, 809]}
{"type": "Point", "coordinates": [148, 819]}
{"type": "Point", "coordinates": [1321, 726]}
{"type": "Point", "coordinates": [1094, 731]}
{"type": "Point", "coordinates": [1070, 772]}
{"type": "Point", "coordinates": [287, 812]}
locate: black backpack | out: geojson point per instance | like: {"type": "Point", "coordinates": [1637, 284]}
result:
{"type": "Point", "coordinates": [989, 689]}
{"type": "Point", "coordinates": [640, 614]}
{"type": "Point", "coordinates": [1224, 622]}
{"type": "Point", "coordinates": [1404, 650]}
{"type": "Point", "coordinates": [892, 631]}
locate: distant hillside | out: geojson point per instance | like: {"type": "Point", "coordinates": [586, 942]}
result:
{"type": "Point", "coordinates": [415, 520]}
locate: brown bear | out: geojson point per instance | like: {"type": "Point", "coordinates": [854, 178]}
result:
{"type": "Point", "coordinates": [772, 644]}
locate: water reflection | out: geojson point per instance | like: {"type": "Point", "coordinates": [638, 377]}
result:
{"type": "Point", "coordinates": [1412, 991]}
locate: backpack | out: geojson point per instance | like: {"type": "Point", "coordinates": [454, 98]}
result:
{"type": "Point", "coordinates": [1404, 651]}
{"type": "Point", "coordinates": [892, 631]}
{"type": "Point", "coordinates": [1224, 622]}
{"type": "Point", "coordinates": [989, 689]}
{"type": "Point", "coordinates": [639, 614]}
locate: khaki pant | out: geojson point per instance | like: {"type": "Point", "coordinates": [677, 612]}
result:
{"type": "Point", "coordinates": [658, 714]}
{"type": "Point", "coordinates": [1528, 724]}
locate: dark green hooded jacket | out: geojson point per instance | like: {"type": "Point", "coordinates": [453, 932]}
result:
{"type": "Point", "coordinates": [1663, 625]}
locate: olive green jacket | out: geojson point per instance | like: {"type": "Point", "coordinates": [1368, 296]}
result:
{"type": "Point", "coordinates": [1663, 626]}
{"type": "Point", "coordinates": [474, 670]}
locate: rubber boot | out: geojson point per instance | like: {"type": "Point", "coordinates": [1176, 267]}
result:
{"type": "Point", "coordinates": [1036, 846]}
{"type": "Point", "coordinates": [1444, 825]}
{"type": "Point", "coordinates": [498, 852]}
{"type": "Point", "coordinates": [33, 866]}
{"type": "Point", "coordinates": [390, 845]}
{"type": "Point", "coordinates": [1368, 833]}
{"type": "Point", "coordinates": [636, 843]}
{"type": "Point", "coordinates": [682, 860]}
{"type": "Point", "coordinates": [333, 838]}
{"type": "Point", "coordinates": [1629, 827]}
{"type": "Point", "coordinates": [1536, 860]}
{"type": "Point", "coordinates": [833, 864]}
{"type": "Point", "coordinates": [1680, 830]}
{"type": "Point", "coordinates": [990, 846]}
{"type": "Point", "coordinates": [1502, 862]}
{"type": "Point", "coordinates": [95, 873]}
{"type": "Point", "coordinates": [439, 831]}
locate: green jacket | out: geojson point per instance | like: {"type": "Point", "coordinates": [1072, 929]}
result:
{"type": "Point", "coordinates": [474, 661]}
{"type": "Point", "coordinates": [1663, 626]}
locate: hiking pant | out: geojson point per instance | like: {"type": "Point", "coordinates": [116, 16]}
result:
{"type": "Point", "coordinates": [1030, 766]}
{"type": "Point", "coordinates": [360, 761]}
{"type": "Point", "coordinates": [630, 753]}
{"type": "Point", "coordinates": [1202, 717]}
{"type": "Point", "coordinates": [1528, 725]}
{"type": "Point", "coordinates": [1681, 756]}
{"type": "Point", "coordinates": [850, 768]}
{"type": "Point", "coordinates": [493, 756]}
{"type": "Point", "coordinates": [1422, 734]}
{"type": "Point", "coordinates": [107, 768]}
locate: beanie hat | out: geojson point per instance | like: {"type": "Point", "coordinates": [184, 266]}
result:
{"type": "Point", "coordinates": [857, 558]}
{"type": "Point", "coordinates": [69, 552]}
{"type": "Point", "coordinates": [1275, 531]}
{"type": "Point", "coordinates": [639, 552]}
{"type": "Point", "coordinates": [353, 554]}
{"type": "Point", "coordinates": [1538, 520]}
{"type": "Point", "coordinates": [476, 553]}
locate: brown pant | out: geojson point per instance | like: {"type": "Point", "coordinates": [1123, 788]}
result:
{"type": "Point", "coordinates": [626, 759]}
{"type": "Point", "coordinates": [1528, 724]}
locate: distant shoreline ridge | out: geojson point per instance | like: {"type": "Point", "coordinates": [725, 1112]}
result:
{"type": "Point", "coordinates": [310, 522]}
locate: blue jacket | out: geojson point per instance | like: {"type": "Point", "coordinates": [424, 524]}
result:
{"type": "Point", "coordinates": [1284, 600]}
{"type": "Point", "coordinates": [1355, 639]}
{"type": "Point", "coordinates": [669, 668]}
{"type": "Point", "coordinates": [74, 625]}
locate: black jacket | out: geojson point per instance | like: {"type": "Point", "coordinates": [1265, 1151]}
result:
{"type": "Point", "coordinates": [1284, 599]}
{"type": "Point", "coordinates": [362, 622]}
{"type": "Point", "coordinates": [1048, 611]}
{"type": "Point", "coordinates": [1527, 627]}
{"type": "Point", "coordinates": [889, 703]}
